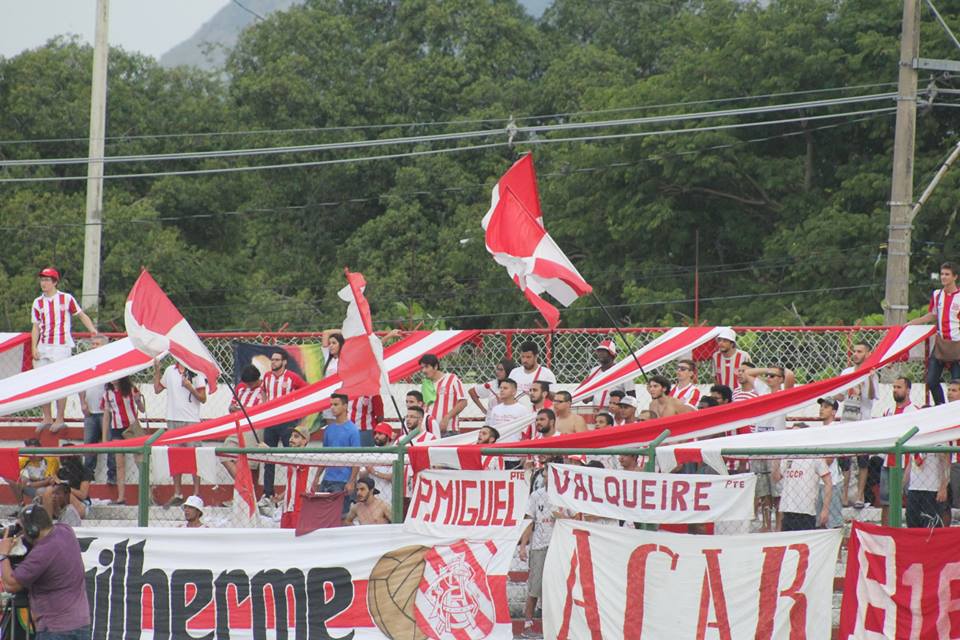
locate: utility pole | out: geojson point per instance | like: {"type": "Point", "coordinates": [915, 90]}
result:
{"type": "Point", "coordinates": [895, 304]}
{"type": "Point", "coordinates": [90, 299]}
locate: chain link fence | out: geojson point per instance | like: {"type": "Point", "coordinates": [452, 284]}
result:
{"type": "Point", "coordinates": [812, 353]}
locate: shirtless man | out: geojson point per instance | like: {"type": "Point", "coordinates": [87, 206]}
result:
{"type": "Point", "coordinates": [661, 403]}
{"type": "Point", "coordinates": [368, 508]}
{"type": "Point", "coordinates": [567, 421]}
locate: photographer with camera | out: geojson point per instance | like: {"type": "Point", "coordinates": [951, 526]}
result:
{"type": "Point", "coordinates": [52, 572]}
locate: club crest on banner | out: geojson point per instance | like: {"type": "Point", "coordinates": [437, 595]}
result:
{"type": "Point", "coordinates": [436, 593]}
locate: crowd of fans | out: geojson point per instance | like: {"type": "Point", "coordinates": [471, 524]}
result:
{"type": "Point", "coordinates": [790, 493]}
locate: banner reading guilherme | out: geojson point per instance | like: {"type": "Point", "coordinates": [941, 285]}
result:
{"type": "Point", "coordinates": [349, 583]}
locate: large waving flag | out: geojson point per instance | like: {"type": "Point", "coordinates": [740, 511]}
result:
{"type": "Point", "coordinates": [155, 327]}
{"type": "Point", "coordinates": [516, 237]}
{"type": "Point", "coordinates": [361, 357]}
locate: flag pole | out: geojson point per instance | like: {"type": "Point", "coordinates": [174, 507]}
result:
{"type": "Point", "coordinates": [620, 333]}
{"type": "Point", "coordinates": [236, 399]}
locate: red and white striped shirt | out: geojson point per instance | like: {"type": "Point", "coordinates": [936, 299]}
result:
{"type": "Point", "coordinates": [365, 412]}
{"type": "Point", "coordinates": [54, 317]}
{"type": "Point", "coordinates": [249, 397]}
{"type": "Point", "coordinates": [739, 395]}
{"type": "Point", "coordinates": [947, 308]}
{"type": "Point", "coordinates": [725, 368]}
{"type": "Point", "coordinates": [688, 394]}
{"type": "Point", "coordinates": [123, 409]}
{"type": "Point", "coordinates": [449, 393]}
{"type": "Point", "coordinates": [299, 479]}
{"type": "Point", "coordinates": [276, 386]}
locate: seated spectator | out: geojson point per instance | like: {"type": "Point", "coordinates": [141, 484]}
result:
{"type": "Point", "coordinates": [721, 393]}
{"type": "Point", "coordinates": [953, 391]}
{"type": "Point", "coordinates": [629, 462]}
{"type": "Point", "coordinates": [706, 402]}
{"type": "Point", "coordinates": [627, 410]}
{"type": "Point", "coordinates": [78, 477]}
{"type": "Point", "coordinates": [367, 508]}
{"type": "Point", "coordinates": [647, 414]}
{"type": "Point", "coordinates": [193, 513]}
{"type": "Point", "coordinates": [508, 410]}
{"type": "Point", "coordinates": [417, 419]}
{"type": "Point", "coordinates": [685, 390]}
{"type": "Point", "coordinates": [567, 420]}
{"type": "Point", "coordinates": [660, 401]}
{"type": "Point", "coordinates": [57, 503]}
{"type": "Point", "coordinates": [489, 435]}
{"type": "Point", "coordinates": [37, 474]}
{"type": "Point", "coordinates": [613, 404]}
{"type": "Point", "coordinates": [603, 420]}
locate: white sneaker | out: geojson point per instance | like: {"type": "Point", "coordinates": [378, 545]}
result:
{"type": "Point", "coordinates": [530, 632]}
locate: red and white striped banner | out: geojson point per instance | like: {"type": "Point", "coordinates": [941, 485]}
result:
{"type": "Point", "coordinates": [73, 375]}
{"type": "Point", "coordinates": [400, 359]}
{"type": "Point", "coordinates": [170, 461]}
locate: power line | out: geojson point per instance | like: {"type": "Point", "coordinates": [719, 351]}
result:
{"type": "Point", "coordinates": [376, 198]}
{"type": "Point", "coordinates": [427, 152]}
{"type": "Point", "coordinates": [431, 123]}
{"type": "Point", "coordinates": [445, 137]}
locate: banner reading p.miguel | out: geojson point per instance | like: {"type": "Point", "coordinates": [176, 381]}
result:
{"type": "Point", "coordinates": [652, 497]}
{"type": "Point", "coordinates": [901, 583]}
{"type": "Point", "coordinates": [604, 582]}
{"type": "Point", "coordinates": [354, 582]}
{"type": "Point", "coordinates": [474, 504]}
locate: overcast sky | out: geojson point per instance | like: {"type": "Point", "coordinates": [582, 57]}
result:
{"type": "Point", "coordinates": [149, 26]}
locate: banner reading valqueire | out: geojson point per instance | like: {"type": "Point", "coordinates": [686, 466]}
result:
{"type": "Point", "coordinates": [761, 586]}
{"type": "Point", "coordinates": [474, 504]}
{"type": "Point", "coordinates": [652, 497]}
{"type": "Point", "coordinates": [901, 583]}
{"type": "Point", "coordinates": [372, 581]}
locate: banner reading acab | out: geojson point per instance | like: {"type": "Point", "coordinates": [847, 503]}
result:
{"type": "Point", "coordinates": [761, 586]}
{"type": "Point", "coordinates": [375, 581]}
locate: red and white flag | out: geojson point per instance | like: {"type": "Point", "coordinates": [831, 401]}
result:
{"type": "Point", "coordinates": [170, 461]}
{"type": "Point", "coordinates": [516, 237]}
{"type": "Point", "coordinates": [361, 357]}
{"type": "Point", "coordinates": [156, 327]}
{"type": "Point", "coordinates": [244, 505]}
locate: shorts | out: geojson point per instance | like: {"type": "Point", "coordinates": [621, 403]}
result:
{"type": "Point", "coordinates": [115, 434]}
{"type": "Point", "coordinates": [797, 521]}
{"type": "Point", "coordinates": [923, 510]}
{"type": "Point", "coordinates": [863, 462]}
{"type": "Point", "coordinates": [761, 468]}
{"type": "Point", "coordinates": [50, 353]}
{"type": "Point", "coordinates": [535, 562]}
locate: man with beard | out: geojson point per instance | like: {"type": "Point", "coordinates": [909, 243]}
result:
{"type": "Point", "coordinates": [277, 382]}
{"type": "Point", "coordinates": [728, 359]}
{"type": "Point", "coordinates": [367, 508]}
{"type": "Point", "coordinates": [487, 435]}
{"type": "Point", "coordinates": [382, 475]}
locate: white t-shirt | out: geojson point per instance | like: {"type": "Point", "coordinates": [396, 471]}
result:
{"type": "Point", "coordinates": [835, 474]}
{"type": "Point", "coordinates": [505, 413]}
{"type": "Point", "coordinates": [862, 406]}
{"type": "Point", "coordinates": [801, 484]}
{"type": "Point", "coordinates": [602, 399]}
{"type": "Point", "coordinates": [525, 379]}
{"type": "Point", "coordinates": [926, 476]}
{"type": "Point", "coordinates": [181, 405]}
{"type": "Point", "coordinates": [94, 398]}
{"type": "Point", "coordinates": [773, 423]}
{"type": "Point", "coordinates": [540, 511]}
{"type": "Point", "coordinates": [488, 391]}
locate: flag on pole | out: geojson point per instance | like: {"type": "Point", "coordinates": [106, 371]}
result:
{"type": "Point", "coordinates": [361, 357]}
{"type": "Point", "coordinates": [516, 237]}
{"type": "Point", "coordinates": [244, 504]}
{"type": "Point", "coordinates": [196, 461]}
{"type": "Point", "coordinates": [156, 327]}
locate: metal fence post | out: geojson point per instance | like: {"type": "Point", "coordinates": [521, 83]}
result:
{"type": "Point", "coordinates": [896, 480]}
{"type": "Point", "coordinates": [143, 482]}
{"type": "Point", "coordinates": [399, 486]}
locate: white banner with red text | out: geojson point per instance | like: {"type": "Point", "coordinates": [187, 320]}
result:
{"type": "Point", "coordinates": [372, 581]}
{"type": "Point", "coordinates": [603, 581]}
{"type": "Point", "coordinates": [901, 583]}
{"type": "Point", "coordinates": [474, 504]}
{"type": "Point", "coordinates": [651, 497]}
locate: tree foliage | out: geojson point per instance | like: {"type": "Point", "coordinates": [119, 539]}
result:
{"type": "Point", "coordinates": [786, 222]}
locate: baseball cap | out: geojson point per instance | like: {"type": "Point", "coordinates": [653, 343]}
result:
{"type": "Point", "coordinates": [384, 428]}
{"type": "Point", "coordinates": [830, 401]}
{"type": "Point", "coordinates": [726, 333]}
{"type": "Point", "coordinates": [608, 346]}
{"type": "Point", "coordinates": [194, 501]}
{"type": "Point", "coordinates": [303, 430]}
{"type": "Point", "coordinates": [49, 272]}
{"type": "Point", "coordinates": [369, 483]}
{"type": "Point", "coordinates": [629, 400]}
